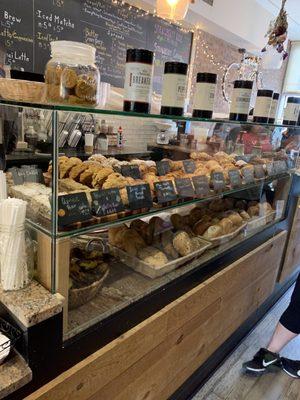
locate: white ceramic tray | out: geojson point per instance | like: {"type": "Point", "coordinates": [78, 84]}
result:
{"type": "Point", "coordinates": [150, 271]}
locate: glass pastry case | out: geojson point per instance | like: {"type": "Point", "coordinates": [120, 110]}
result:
{"type": "Point", "coordinates": [108, 228]}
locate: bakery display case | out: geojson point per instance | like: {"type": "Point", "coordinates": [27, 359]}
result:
{"type": "Point", "coordinates": [109, 232]}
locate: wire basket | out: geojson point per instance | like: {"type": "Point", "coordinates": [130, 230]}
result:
{"type": "Point", "coordinates": [13, 334]}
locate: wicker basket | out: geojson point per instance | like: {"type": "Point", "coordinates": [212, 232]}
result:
{"type": "Point", "coordinates": [78, 297]}
{"type": "Point", "coordinates": [20, 90]}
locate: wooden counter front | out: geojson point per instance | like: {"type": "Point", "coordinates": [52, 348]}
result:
{"type": "Point", "coordinates": [157, 356]}
{"type": "Point", "coordinates": [292, 258]}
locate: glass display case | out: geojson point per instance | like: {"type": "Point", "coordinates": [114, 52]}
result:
{"type": "Point", "coordinates": [115, 219]}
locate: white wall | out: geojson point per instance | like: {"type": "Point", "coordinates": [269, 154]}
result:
{"type": "Point", "coordinates": [292, 77]}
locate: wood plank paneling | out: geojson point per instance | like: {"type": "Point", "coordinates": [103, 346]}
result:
{"type": "Point", "coordinates": [292, 258]}
{"type": "Point", "coordinates": [153, 359]}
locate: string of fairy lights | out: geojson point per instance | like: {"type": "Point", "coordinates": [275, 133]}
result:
{"type": "Point", "coordinates": [143, 13]}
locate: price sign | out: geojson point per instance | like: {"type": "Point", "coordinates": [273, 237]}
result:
{"type": "Point", "coordinates": [235, 178]}
{"type": "Point", "coordinates": [218, 181]}
{"type": "Point", "coordinates": [165, 191]}
{"type": "Point", "coordinates": [28, 174]}
{"type": "Point", "coordinates": [163, 167]}
{"type": "Point", "coordinates": [259, 172]}
{"type": "Point", "coordinates": [139, 196]}
{"type": "Point", "coordinates": [189, 166]}
{"type": "Point", "coordinates": [106, 202]}
{"type": "Point", "coordinates": [131, 170]}
{"type": "Point", "coordinates": [184, 187]}
{"type": "Point", "coordinates": [248, 175]}
{"type": "Point", "coordinates": [201, 185]}
{"type": "Point", "coordinates": [73, 208]}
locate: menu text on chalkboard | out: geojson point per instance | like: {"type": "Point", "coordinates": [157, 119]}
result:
{"type": "Point", "coordinates": [73, 208]}
{"type": "Point", "coordinates": [218, 181]}
{"type": "Point", "coordinates": [131, 170]}
{"type": "Point", "coordinates": [189, 166]}
{"type": "Point", "coordinates": [163, 167]}
{"type": "Point", "coordinates": [106, 202]}
{"type": "Point", "coordinates": [139, 196]}
{"type": "Point", "coordinates": [165, 191]}
{"type": "Point", "coordinates": [201, 185]}
{"type": "Point", "coordinates": [27, 174]}
{"type": "Point", "coordinates": [248, 175]}
{"type": "Point", "coordinates": [184, 187]}
{"type": "Point", "coordinates": [235, 178]}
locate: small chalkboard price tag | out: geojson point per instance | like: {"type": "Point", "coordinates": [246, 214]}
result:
{"type": "Point", "coordinates": [201, 185]}
{"type": "Point", "coordinates": [165, 191]}
{"type": "Point", "coordinates": [22, 175]}
{"type": "Point", "coordinates": [235, 178]}
{"type": "Point", "coordinates": [259, 172]}
{"type": "Point", "coordinates": [270, 169]}
{"type": "Point", "coordinates": [189, 166]}
{"type": "Point", "coordinates": [73, 208]}
{"type": "Point", "coordinates": [106, 202]}
{"type": "Point", "coordinates": [184, 187]}
{"type": "Point", "coordinates": [163, 167]}
{"type": "Point", "coordinates": [218, 181]}
{"type": "Point", "coordinates": [248, 175]}
{"type": "Point", "coordinates": [131, 170]}
{"type": "Point", "coordinates": [139, 196]}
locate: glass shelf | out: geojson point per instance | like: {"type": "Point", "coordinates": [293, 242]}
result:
{"type": "Point", "coordinates": [152, 212]}
{"type": "Point", "coordinates": [87, 110]}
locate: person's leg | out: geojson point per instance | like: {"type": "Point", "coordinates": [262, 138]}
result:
{"type": "Point", "coordinates": [281, 337]}
{"type": "Point", "coordinates": [287, 329]}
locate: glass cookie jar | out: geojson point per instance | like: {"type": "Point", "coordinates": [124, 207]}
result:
{"type": "Point", "coordinates": [71, 75]}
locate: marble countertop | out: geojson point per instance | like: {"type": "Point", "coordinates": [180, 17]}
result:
{"type": "Point", "coordinates": [14, 373]}
{"type": "Point", "coordinates": [32, 304]}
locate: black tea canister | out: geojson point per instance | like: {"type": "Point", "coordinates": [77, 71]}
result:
{"type": "Point", "coordinates": [274, 107]}
{"type": "Point", "coordinates": [262, 106]}
{"type": "Point", "coordinates": [138, 80]}
{"type": "Point", "coordinates": [240, 100]}
{"type": "Point", "coordinates": [291, 111]}
{"type": "Point", "coordinates": [174, 88]}
{"type": "Point", "coordinates": [204, 95]}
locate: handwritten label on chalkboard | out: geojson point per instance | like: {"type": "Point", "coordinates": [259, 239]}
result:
{"type": "Point", "coordinates": [163, 167]}
{"type": "Point", "coordinates": [248, 175]}
{"type": "Point", "coordinates": [189, 166]}
{"type": "Point", "coordinates": [165, 191]}
{"type": "Point", "coordinates": [235, 178]}
{"type": "Point", "coordinates": [73, 208]}
{"type": "Point", "coordinates": [106, 202]}
{"type": "Point", "coordinates": [28, 174]}
{"type": "Point", "coordinates": [139, 196]}
{"type": "Point", "coordinates": [184, 187]}
{"type": "Point", "coordinates": [131, 170]}
{"type": "Point", "coordinates": [259, 172]}
{"type": "Point", "coordinates": [201, 185]}
{"type": "Point", "coordinates": [218, 181]}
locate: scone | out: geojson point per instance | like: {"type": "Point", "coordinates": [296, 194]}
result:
{"type": "Point", "coordinates": [183, 243]}
{"type": "Point", "coordinates": [131, 242]}
{"type": "Point", "coordinates": [115, 180]}
{"type": "Point", "coordinates": [66, 166]}
{"type": "Point", "coordinates": [167, 244]}
{"type": "Point", "coordinates": [86, 177]}
{"type": "Point", "coordinates": [77, 170]}
{"type": "Point", "coordinates": [200, 227]}
{"type": "Point", "coordinates": [115, 234]}
{"type": "Point", "coordinates": [244, 215]}
{"type": "Point", "coordinates": [100, 177]}
{"type": "Point", "coordinates": [213, 232]}
{"type": "Point", "coordinates": [226, 225]}
{"type": "Point", "coordinates": [236, 219]}
{"type": "Point", "coordinates": [253, 211]}
{"type": "Point", "coordinates": [69, 185]}
{"type": "Point", "coordinates": [152, 256]}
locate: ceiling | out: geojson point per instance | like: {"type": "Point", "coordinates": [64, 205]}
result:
{"type": "Point", "coordinates": [293, 10]}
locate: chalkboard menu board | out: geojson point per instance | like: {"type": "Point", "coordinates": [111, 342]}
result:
{"type": "Point", "coordinates": [28, 26]}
